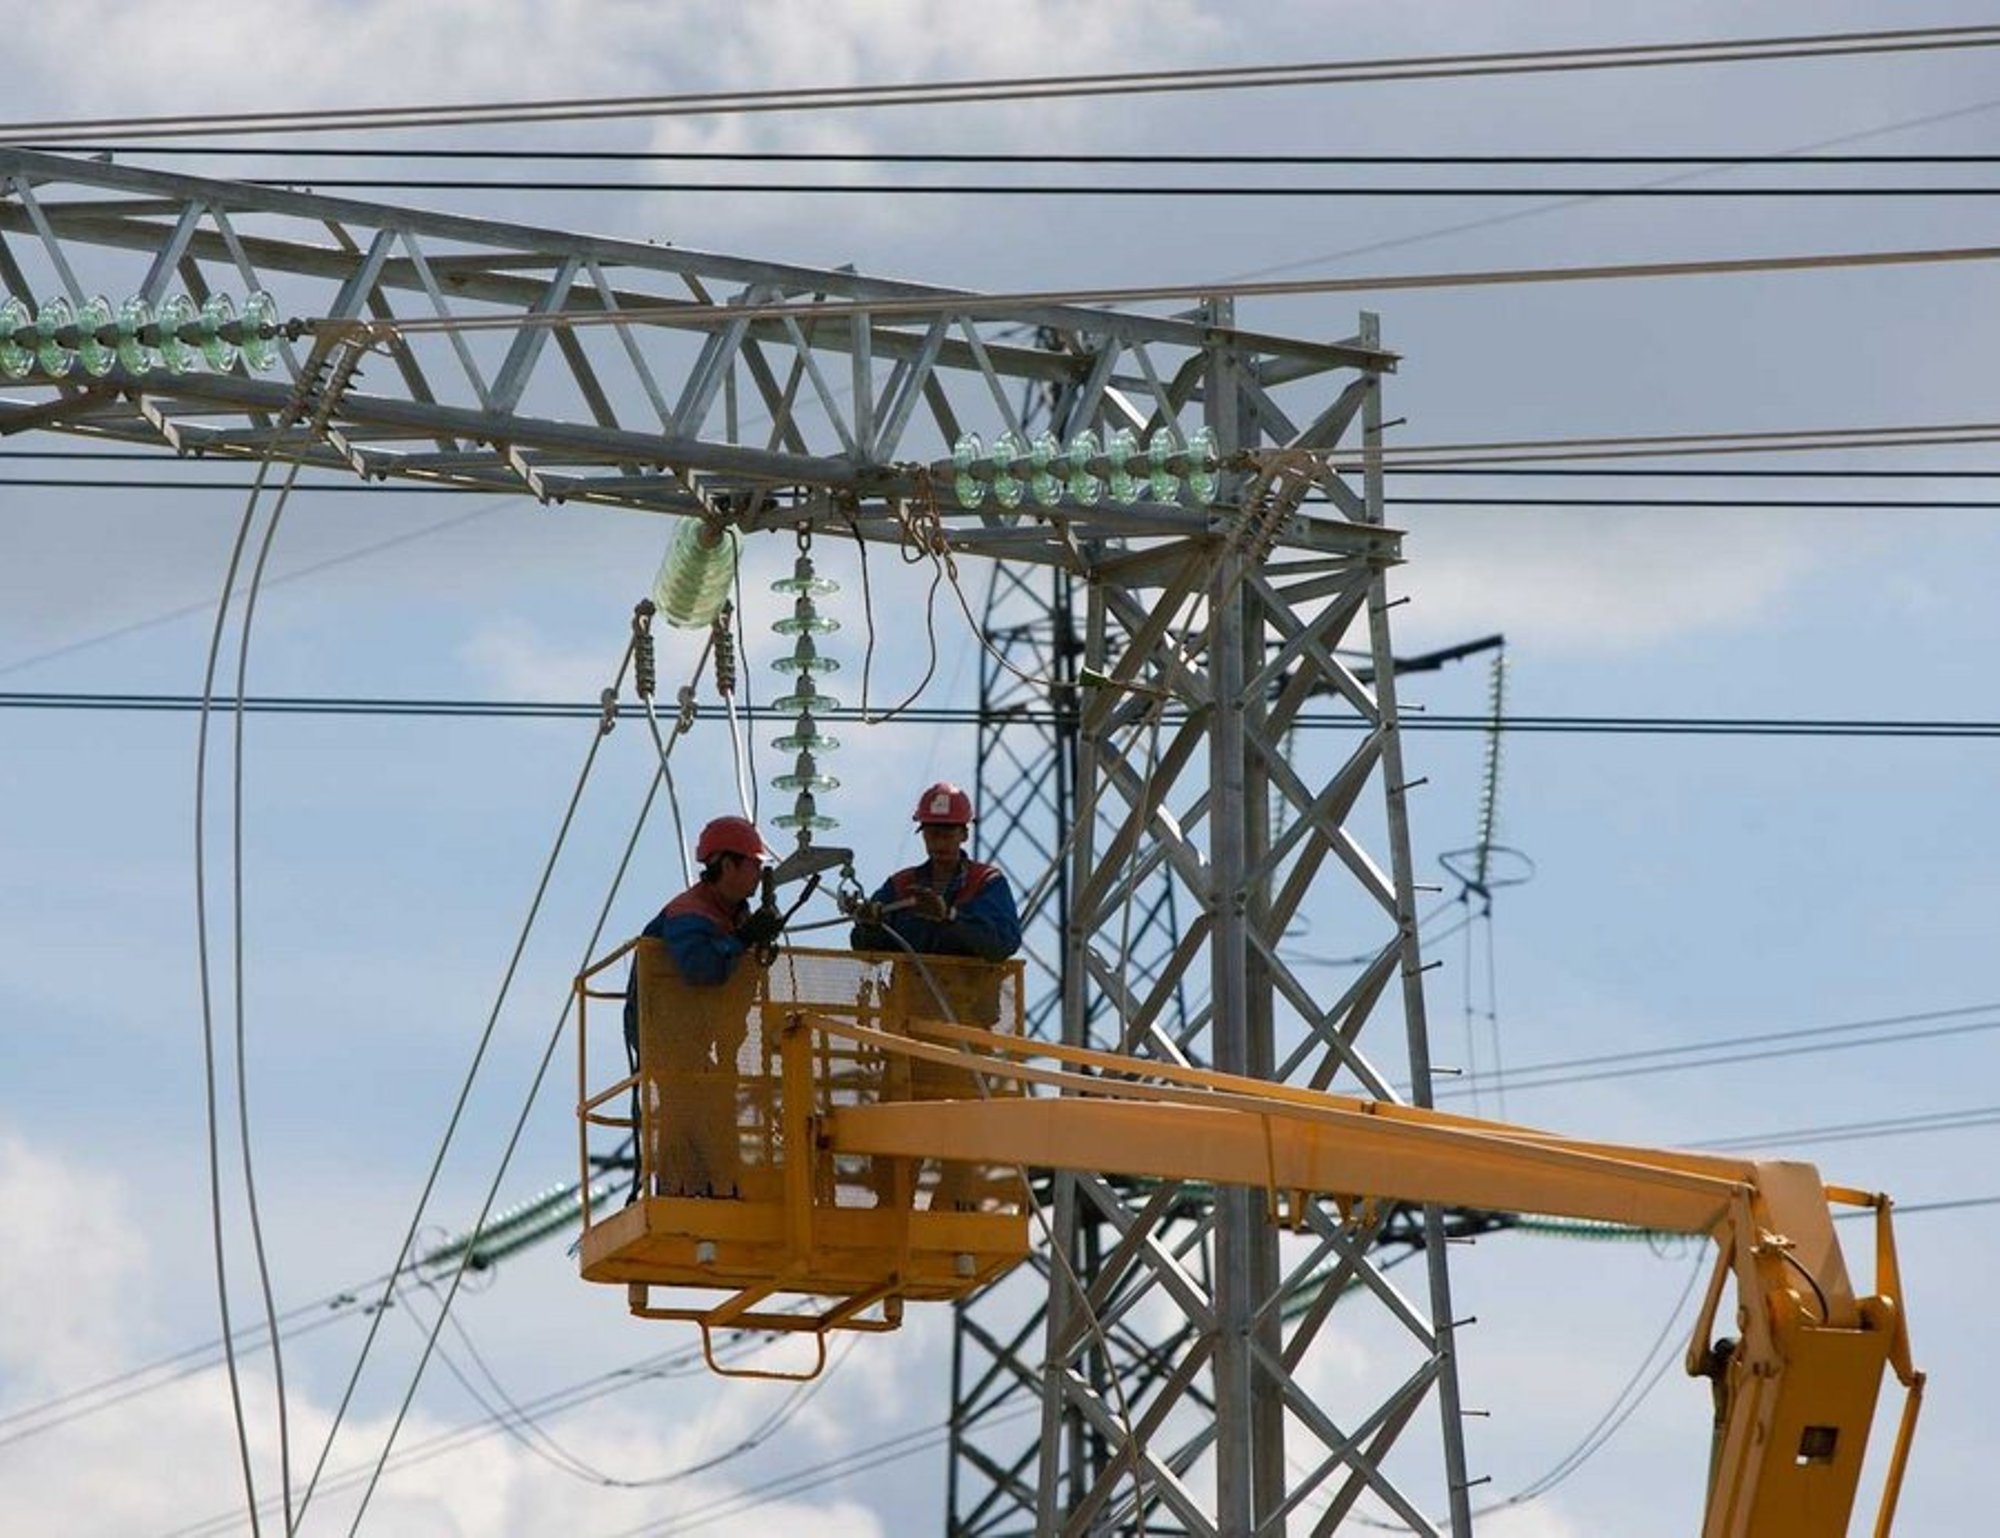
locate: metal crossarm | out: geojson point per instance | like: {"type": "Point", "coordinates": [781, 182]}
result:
{"type": "Point", "coordinates": [591, 369]}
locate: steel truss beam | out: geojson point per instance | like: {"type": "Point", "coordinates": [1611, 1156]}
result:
{"type": "Point", "coordinates": [1173, 1365]}
{"type": "Point", "coordinates": [580, 369]}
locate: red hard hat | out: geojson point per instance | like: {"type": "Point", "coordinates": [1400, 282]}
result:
{"type": "Point", "coordinates": [944, 802]}
{"type": "Point", "coordinates": [730, 835]}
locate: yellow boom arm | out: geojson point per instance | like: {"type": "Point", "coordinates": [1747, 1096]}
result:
{"type": "Point", "coordinates": [1796, 1390]}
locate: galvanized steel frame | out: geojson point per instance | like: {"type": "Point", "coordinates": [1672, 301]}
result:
{"type": "Point", "coordinates": [591, 370]}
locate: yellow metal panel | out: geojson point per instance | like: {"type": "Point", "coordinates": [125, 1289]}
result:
{"type": "Point", "coordinates": [1797, 1438]}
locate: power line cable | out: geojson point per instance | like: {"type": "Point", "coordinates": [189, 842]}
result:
{"type": "Point", "coordinates": [661, 774]}
{"type": "Point", "coordinates": [154, 456]}
{"type": "Point", "coordinates": [968, 303]}
{"type": "Point", "coordinates": [1791, 504]}
{"type": "Point", "coordinates": [245, 525]}
{"type": "Point", "coordinates": [474, 709]}
{"type": "Point", "coordinates": [1178, 190]}
{"type": "Point", "coordinates": [1015, 157]}
{"type": "Point", "coordinates": [1518, 215]}
{"type": "Point", "coordinates": [1028, 88]}
{"type": "Point", "coordinates": [1699, 1054]}
{"type": "Point", "coordinates": [1855, 1131]}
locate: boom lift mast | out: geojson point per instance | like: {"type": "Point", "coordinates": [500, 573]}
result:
{"type": "Point", "coordinates": [862, 1086]}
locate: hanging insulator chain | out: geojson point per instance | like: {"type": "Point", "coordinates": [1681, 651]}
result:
{"type": "Point", "coordinates": [724, 633]}
{"type": "Point", "coordinates": [805, 587]}
{"type": "Point", "coordinates": [1489, 794]}
{"type": "Point", "coordinates": [645, 675]}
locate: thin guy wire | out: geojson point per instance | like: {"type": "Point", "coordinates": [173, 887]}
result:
{"type": "Point", "coordinates": [1759, 1038]}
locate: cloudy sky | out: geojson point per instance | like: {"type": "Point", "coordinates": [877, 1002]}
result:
{"type": "Point", "coordinates": [1687, 889]}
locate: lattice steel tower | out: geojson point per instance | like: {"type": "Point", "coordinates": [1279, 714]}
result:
{"type": "Point", "coordinates": [1175, 1380]}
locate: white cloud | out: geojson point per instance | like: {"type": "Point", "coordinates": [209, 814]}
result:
{"type": "Point", "coordinates": [512, 658]}
{"type": "Point", "coordinates": [167, 1455]}
{"type": "Point", "coordinates": [1590, 581]}
{"type": "Point", "coordinates": [74, 1249]}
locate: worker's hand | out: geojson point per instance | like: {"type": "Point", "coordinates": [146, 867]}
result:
{"type": "Point", "coordinates": [867, 913]}
{"type": "Point", "coordinates": [929, 905]}
{"type": "Point", "coordinates": [762, 927]}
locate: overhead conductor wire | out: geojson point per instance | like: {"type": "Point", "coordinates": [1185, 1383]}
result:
{"type": "Point", "coordinates": [1031, 88]}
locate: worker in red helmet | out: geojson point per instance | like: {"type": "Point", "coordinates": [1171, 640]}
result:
{"type": "Point", "coordinates": [710, 925]}
{"type": "Point", "coordinates": [690, 1124]}
{"type": "Point", "coordinates": [949, 905]}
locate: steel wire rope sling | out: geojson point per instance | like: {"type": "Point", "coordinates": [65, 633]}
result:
{"type": "Point", "coordinates": [606, 721]}
{"type": "Point", "coordinates": [331, 367]}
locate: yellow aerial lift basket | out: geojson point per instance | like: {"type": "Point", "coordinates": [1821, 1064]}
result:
{"type": "Point", "coordinates": [734, 1194]}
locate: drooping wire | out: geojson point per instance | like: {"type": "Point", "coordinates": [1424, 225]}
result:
{"type": "Point", "coordinates": [326, 374]}
{"type": "Point", "coordinates": [457, 1114]}
{"type": "Point", "coordinates": [1623, 1403]}
{"type": "Point", "coordinates": [687, 1362]}
{"type": "Point", "coordinates": [534, 1088]}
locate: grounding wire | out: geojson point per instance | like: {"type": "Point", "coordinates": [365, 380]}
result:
{"type": "Point", "coordinates": [512, 1420]}
{"type": "Point", "coordinates": [1031, 88]}
{"type": "Point", "coordinates": [521, 1426]}
{"type": "Point", "coordinates": [457, 1113]}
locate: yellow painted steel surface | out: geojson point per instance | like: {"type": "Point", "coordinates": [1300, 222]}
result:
{"type": "Point", "coordinates": [732, 1193]}
{"type": "Point", "coordinates": [852, 1127]}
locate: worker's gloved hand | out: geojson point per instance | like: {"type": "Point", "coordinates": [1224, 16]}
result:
{"type": "Point", "coordinates": [867, 913]}
{"type": "Point", "coordinates": [762, 927]}
{"type": "Point", "coordinates": [930, 905]}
